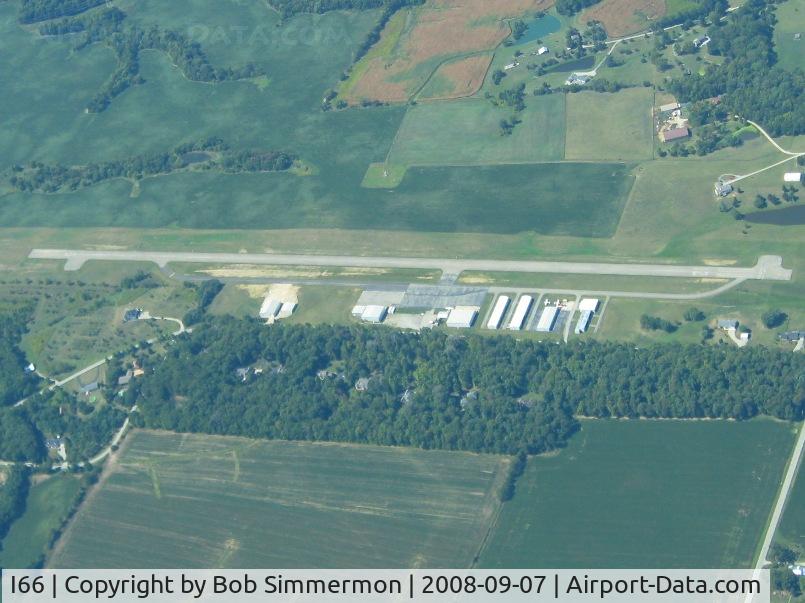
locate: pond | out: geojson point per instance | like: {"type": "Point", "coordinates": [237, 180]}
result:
{"type": "Point", "coordinates": [539, 28]}
{"type": "Point", "coordinates": [582, 64]}
{"type": "Point", "coordinates": [789, 216]}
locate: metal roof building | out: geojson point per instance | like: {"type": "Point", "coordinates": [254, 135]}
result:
{"type": "Point", "coordinates": [501, 305]}
{"type": "Point", "coordinates": [548, 319]}
{"type": "Point", "coordinates": [520, 312]}
{"type": "Point", "coordinates": [675, 134]}
{"type": "Point", "coordinates": [270, 307]}
{"type": "Point", "coordinates": [584, 321]}
{"type": "Point", "coordinates": [374, 314]}
{"type": "Point", "coordinates": [462, 317]}
{"type": "Point", "coordinates": [590, 304]}
{"type": "Point", "coordinates": [792, 177]}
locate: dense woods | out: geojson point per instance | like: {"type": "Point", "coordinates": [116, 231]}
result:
{"type": "Point", "coordinates": [15, 382]}
{"type": "Point", "coordinates": [432, 390]}
{"type": "Point", "coordinates": [13, 494]}
{"type": "Point", "coordinates": [288, 8]}
{"type": "Point", "coordinates": [210, 154]}
{"type": "Point", "coordinates": [749, 81]}
{"type": "Point", "coordinates": [19, 439]}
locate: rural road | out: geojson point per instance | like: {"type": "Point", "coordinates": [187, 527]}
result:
{"type": "Point", "coordinates": [768, 267]}
{"type": "Point", "coordinates": [785, 490]}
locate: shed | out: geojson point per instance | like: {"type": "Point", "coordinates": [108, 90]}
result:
{"type": "Point", "coordinates": [727, 324]}
{"type": "Point", "coordinates": [792, 177]}
{"type": "Point", "coordinates": [542, 50]}
{"type": "Point", "coordinates": [89, 388]}
{"type": "Point", "coordinates": [270, 308]}
{"type": "Point", "coordinates": [669, 107]}
{"type": "Point", "coordinates": [462, 317]}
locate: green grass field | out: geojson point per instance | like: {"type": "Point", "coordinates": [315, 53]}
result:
{"type": "Point", "coordinates": [645, 494]}
{"type": "Point", "coordinates": [46, 509]}
{"type": "Point", "coordinates": [201, 501]}
{"type": "Point", "coordinates": [615, 127]}
{"type": "Point", "coordinates": [467, 132]}
{"type": "Point", "coordinates": [791, 531]}
{"type": "Point", "coordinates": [790, 21]}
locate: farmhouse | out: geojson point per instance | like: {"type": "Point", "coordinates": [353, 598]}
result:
{"type": "Point", "coordinates": [669, 107]}
{"type": "Point", "coordinates": [462, 317]}
{"type": "Point", "coordinates": [792, 177]}
{"type": "Point", "coordinates": [132, 314]}
{"type": "Point", "coordinates": [675, 134]}
{"type": "Point", "coordinates": [792, 336]}
{"type": "Point", "coordinates": [501, 305]}
{"type": "Point", "coordinates": [577, 79]}
{"type": "Point", "coordinates": [727, 324]}
{"type": "Point", "coordinates": [125, 379]}
{"type": "Point", "coordinates": [722, 189]}
{"type": "Point", "coordinates": [520, 312]}
{"type": "Point", "coordinates": [362, 384]}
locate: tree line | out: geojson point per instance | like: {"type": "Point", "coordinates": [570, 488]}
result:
{"type": "Point", "coordinates": [571, 7]}
{"type": "Point", "coordinates": [13, 494]}
{"type": "Point", "coordinates": [15, 382]}
{"type": "Point", "coordinates": [33, 11]}
{"type": "Point", "coordinates": [433, 390]}
{"type": "Point", "coordinates": [749, 81]}
{"type": "Point", "coordinates": [43, 178]}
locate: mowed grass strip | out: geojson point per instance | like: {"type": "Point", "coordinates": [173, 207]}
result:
{"type": "Point", "coordinates": [603, 126]}
{"type": "Point", "coordinates": [646, 494]}
{"type": "Point", "coordinates": [467, 132]}
{"type": "Point", "coordinates": [200, 501]}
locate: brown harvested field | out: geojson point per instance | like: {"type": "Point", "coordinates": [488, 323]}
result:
{"type": "Point", "coordinates": [458, 79]}
{"type": "Point", "coordinates": [438, 30]}
{"type": "Point", "coordinates": [624, 17]}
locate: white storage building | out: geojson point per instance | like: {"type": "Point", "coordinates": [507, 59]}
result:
{"type": "Point", "coordinates": [590, 304]}
{"type": "Point", "coordinates": [286, 309]}
{"type": "Point", "coordinates": [584, 321]}
{"type": "Point", "coordinates": [462, 317]}
{"type": "Point", "coordinates": [792, 177]}
{"type": "Point", "coordinates": [270, 308]}
{"type": "Point", "coordinates": [520, 312]}
{"type": "Point", "coordinates": [501, 305]}
{"type": "Point", "coordinates": [374, 314]}
{"type": "Point", "coordinates": [548, 319]}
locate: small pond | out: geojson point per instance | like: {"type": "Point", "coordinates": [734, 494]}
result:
{"type": "Point", "coordinates": [788, 216]}
{"type": "Point", "coordinates": [539, 28]}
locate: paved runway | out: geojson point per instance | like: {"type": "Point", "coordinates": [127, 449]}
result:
{"type": "Point", "coordinates": [768, 267]}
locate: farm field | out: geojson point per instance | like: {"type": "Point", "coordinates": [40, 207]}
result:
{"type": "Point", "coordinates": [467, 132]}
{"type": "Point", "coordinates": [46, 509]}
{"type": "Point", "coordinates": [790, 21]}
{"type": "Point", "coordinates": [458, 78]}
{"type": "Point", "coordinates": [615, 127]}
{"type": "Point", "coordinates": [624, 17]}
{"type": "Point", "coordinates": [645, 494]}
{"type": "Point", "coordinates": [415, 45]}
{"type": "Point", "coordinates": [791, 531]}
{"type": "Point", "coordinates": [169, 501]}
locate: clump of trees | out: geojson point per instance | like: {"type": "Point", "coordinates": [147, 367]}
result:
{"type": "Point", "coordinates": [205, 295]}
{"type": "Point", "coordinates": [773, 318]}
{"type": "Point", "coordinates": [571, 7]}
{"type": "Point", "coordinates": [418, 386]}
{"type": "Point", "coordinates": [20, 441]}
{"type": "Point", "coordinates": [655, 323]}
